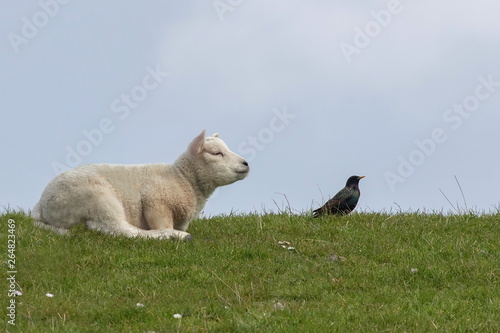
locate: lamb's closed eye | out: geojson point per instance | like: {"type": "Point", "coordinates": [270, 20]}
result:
{"type": "Point", "coordinates": [218, 153]}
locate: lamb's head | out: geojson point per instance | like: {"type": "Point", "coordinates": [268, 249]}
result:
{"type": "Point", "coordinates": [214, 163]}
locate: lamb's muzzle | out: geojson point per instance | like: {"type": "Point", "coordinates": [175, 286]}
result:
{"type": "Point", "coordinates": [245, 169]}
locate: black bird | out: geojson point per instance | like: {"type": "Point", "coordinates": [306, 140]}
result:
{"type": "Point", "coordinates": [344, 201]}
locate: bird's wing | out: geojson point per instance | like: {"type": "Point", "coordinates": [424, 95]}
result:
{"type": "Point", "coordinates": [330, 205]}
{"type": "Point", "coordinates": [343, 194]}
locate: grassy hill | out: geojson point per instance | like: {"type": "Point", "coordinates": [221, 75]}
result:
{"type": "Point", "coordinates": [357, 273]}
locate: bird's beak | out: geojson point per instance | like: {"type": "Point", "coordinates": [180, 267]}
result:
{"type": "Point", "coordinates": [361, 177]}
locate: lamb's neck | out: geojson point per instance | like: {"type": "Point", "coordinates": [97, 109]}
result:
{"type": "Point", "coordinates": [202, 187]}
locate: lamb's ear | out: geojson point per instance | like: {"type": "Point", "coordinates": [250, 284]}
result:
{"type": "Point", "coordinates": [196, 146]}
{"type": "Point", "coordinates": [216, 135]}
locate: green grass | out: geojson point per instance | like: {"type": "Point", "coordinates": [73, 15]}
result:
{"type": "Point", "coordinates": [235, 277]}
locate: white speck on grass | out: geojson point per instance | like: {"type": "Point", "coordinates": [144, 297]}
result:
{"type": "Point", "coordinates": [414, 270]}
{"type": "Point", "coordinates": [279, 306]}
{"type": "Point", "coordinates": [336, 258]}
{"type": "Point", "coordinates": [177, 316]}
{"type": "Point", "coordinates": [291, 248]}
{"type": "Point", "coordinates": [18, 293]}
{"type": "Point", "coordinates": [49, 295]}
{"type": "Point", "coordinates": [139, 305]}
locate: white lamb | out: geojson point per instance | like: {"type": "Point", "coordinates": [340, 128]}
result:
{"type": "Point", "coordinates": [150, 200]}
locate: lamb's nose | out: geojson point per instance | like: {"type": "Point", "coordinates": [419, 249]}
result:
{"type": "Point", "coordinates": [245, 163]}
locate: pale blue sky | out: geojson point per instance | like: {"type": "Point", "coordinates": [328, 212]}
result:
{"type": "Point", "coordinates": [406, 93]}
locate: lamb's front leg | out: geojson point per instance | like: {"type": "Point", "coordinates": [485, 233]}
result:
{"type": "Point", "coordinates": [161, 226]}
{"type": "Point", "coordinates": [166, 234]}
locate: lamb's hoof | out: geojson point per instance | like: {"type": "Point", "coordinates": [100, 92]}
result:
{"type": "Point", "coordinates": [188, 238]}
